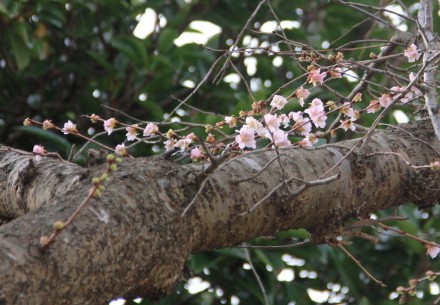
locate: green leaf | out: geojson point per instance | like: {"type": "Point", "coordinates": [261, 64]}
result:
{"type": "Point", "coordinates": [21, 52]}
{"type": "Point", "coordinates": [133, 48]}
{"type": "Point", "coordinates": [166, 40]}
{"type": "Point", "coordinates": [101, 60]}
{"type": "Point", "coordinates": [9, 8]}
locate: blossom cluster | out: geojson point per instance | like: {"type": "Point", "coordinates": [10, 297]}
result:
{"type": "Point", "coordinates": [265, 121]}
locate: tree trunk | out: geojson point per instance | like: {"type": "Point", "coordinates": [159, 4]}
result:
{"type": "Point", "coordinates": [132, 241]}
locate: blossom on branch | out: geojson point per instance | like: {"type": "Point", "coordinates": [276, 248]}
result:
{"type": "Point", "coordinates": [196, 154]}
{"type": "Point", "coordinates": [246, 138]}
{"type": "Point", "coordinates": [412, 53]}
{"type": "Point", "coordinates": [150, 129]}
{"type": "Point", "coordinates": [251, 122]}
{"type": "Point", "coordinates": [47, 124]}
{"type": "Point", "coordinates": [385, 100]}
{"type": "Point", "coordinates": [432, 251]}
{"type": "Point", "coordinates": [317, 113]}
{"type": "Point", "coordinates": [278, 102]}
{"type": "Point", "coordinates": [39, 151]}
{"type": "Point", "coordinates": [272, 121]}
{"type": "Point", "coordinates": [316, 77]}
{"type": "Point", "coordinates": [69, 127]}
{"type": "Point", "coordinates": [131, 132]}
{"type": "Point", "coordinates": [120, 150]}
{"type": "Point", "coordinates": [302, 94]}
{"type": "Point", "coordinates": [109, 125]}
{"type": "Point", "coordinates": [279, 138]}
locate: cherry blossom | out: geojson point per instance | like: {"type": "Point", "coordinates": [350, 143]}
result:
{"type": "Point", "coordinates": [246, 138]}
{"type": "Point", "coordinates": [373, 107]}
{"type": "Point", "coordinates": [231, 121]}
{"type": "Point", "coordinates": [336, 73]}
{"type": "Point", "coordinates": [317, 113]}
{"type": "Point", "coordinates": [278, 102]}
{"type": "Point", "coordinates": [385, 100]}
{"type": "Point", "coordinates": [94, 118]}
{"type": "Point", "coordinates": [183, 144]}
{"type": "Point", "coordinates": [348, 124]}
{"type": "Point", "coordinates": [131, 132]}
{"type": "Point", "coordinates": [279, 138]}
{"type": "Point", "coordinates": [316, 77]}
{"type": "Point", "coordinates": [169, 144]}
{"type": "Point", "coordinates": [27, 122]}
{"type": "Point", "coordinates": [412, 53]}
{"type": "Point", "coordinates": [47, 124]}
{"type": "Point", "coordinates": [69, 127]}
{"type": "Point", "coordinates": [301, 125]}
{"type": "Point", "coordinates": [150, 129]}
{"type": "Point", "coordinates": [196, 154]}
{"type": "Point", "coordinates": [432, 251]}
{"type": "Point", "coordinates": [251, 122]}
{"type": "Point", "coordinates": [302, 94]}
{"type": "Point", "coordinates": [285, 120]}
{"type": "Point", "coordinates": [272, 121]}
{"type": "Point", "coordinates": [39, 151]}
{"type": "Point", "coordinates": [347, 110]}
{"type": "Point", "coordinates": [308, 141]}
{"type": "Point", "coordinates": [404, 99]}
{"type": "Point", "coordinates": [414, 89]}
{"type": "Point", "coordinates": [120, 150]}
{"type": "Point", "coordinates": [109, 125]}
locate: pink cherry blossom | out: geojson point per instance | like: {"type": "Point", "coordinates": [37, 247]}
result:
{"type": "Point", "coordinates": [131, 132]}
{"type": "Point", "coordinates": [316, 77]}
{"type": "Point", "coordinates": [169, 144]}
{"type": "Point", "coordinates": [317, 113]}
{"type": "Point", "coordinates": [47, 124]}
{"type": "Point", "coordinates": [109, 125]}
{"type": "Point", "coordinates": [120, 150]}
{"type": "Point", "coordinates": [347, 110]}
{"type": "Point", "coordinates": [278, 102]}
{"type": "Point", "coordinates": [336, 73]}
{"type": "Point", "coordinates": [272, 121]}
{"type": "Point", "coordinates": [182, 144]}
{"type": "Point", "coordinates": [308, 141]}
{"type": "Point", "coordinates": [404, 99]}
{"type": "Point", "coordinates": [150, 129]}
{"type": "Point", "coordinates": [196, 154]}
{"type": "Point", "coordinates": [251, 122]}
{"type": "Point", "coordinates": [301, 125]}
{"type": "Point", "coordinates": [246, 138]}
{"type": "Point", "coordinates": [94, 118]}
{"type": "Point", "coordinates": [69, 127]}
{"type": "Point", "coordinates": [385, 100]}
{"type": "Point", "coordinates": [302, 94]}
{"type": "Point", "coordinates": [348, 124]}
{"type": "Point", "coordinates": [414, 89]}
{"type": "Point", "coordinates": [285, 120]}
{"type": "Point", "coordinates": [433, 251]}
{"type": "Point", "coordinates": [39, 151]}
{"type": "Point", "coordinates": [279, 138]}
{"type": "Point", "coordinates": [231, 121]}
{"type": "Point", "coordinates": [412, 53]}
{"type": "Point", "coordinates": [373, 107]}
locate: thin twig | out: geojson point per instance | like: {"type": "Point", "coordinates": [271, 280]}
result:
{"type": "Point", "coordinates": [339, 245]}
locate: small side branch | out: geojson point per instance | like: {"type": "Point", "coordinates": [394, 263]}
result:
{"type": "Point", "coordinates": [339, 245]}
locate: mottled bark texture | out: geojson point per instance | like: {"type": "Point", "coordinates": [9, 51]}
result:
{"type": "Point", "coordinates": [141, 248]}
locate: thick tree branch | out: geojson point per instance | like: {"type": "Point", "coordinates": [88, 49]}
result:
{"type": "Point", "coordinates": [141, 247]}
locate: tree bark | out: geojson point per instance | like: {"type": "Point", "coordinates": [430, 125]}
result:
{"type": "Point", "coordinates": [133, 241]}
